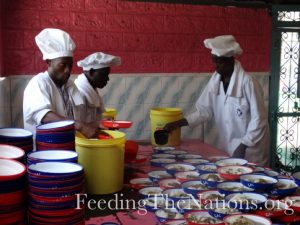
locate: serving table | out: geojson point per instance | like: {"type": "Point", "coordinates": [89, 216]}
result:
{"type": "Point", "coordinates": [132, 216]}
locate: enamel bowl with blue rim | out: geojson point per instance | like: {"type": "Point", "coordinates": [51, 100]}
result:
{"type": "Point", "coordinates": [56, 168]}
{"type": "Point", "coordinates": [187, 175]}
{"type": "Point", "coordinates": [193, 187]}
{"type": "Point", "coordinates": [210, 196]}
{"type": "Point", "coordinates": [246, 201]}
{"type": "Point", "coordinates": [189, 156]}
{"type": "Point", "coordinates": [219, 210]}
{"type": "Point", "coordinates": [157, 175]}
{"type": "Point", "coordinates": [148, 192]}
{"type": "Point", "coordinates": [169, 183]}
{"type": "Point", "coordinates": [163, 156]}
{"type": "Point", "coordinates": [231, 187]}
{"type": "Point", "coordinates": [211, 179]}
{"type": "Point", "coordinates": [14, 134]}
{"type": "Point", "coordinates": [176, 194]}
{"type": "Point", "coordinates": [206, 168]}
{"type": "Point", "coordinates": [284, 187]}
{"type": "Point", "coordinates": [195, 161]}
{"type": "Point", "coordinates": [258, 182]}
{"type": "Point", "coordinates": [186, 205]}
{"type": "Point", "coordinates": [154, 203]}
{"type": "Point", "coordinates": [179, 167]}
{"type": "Point", "coordinates": [138, 183]}
{"type": "Point", "coordinates": [296, 177]}
{"type": "Point", "coordinates": [52, 156]}
{"type": "Point", "coordinates": [161, 162]}
{"type": "Point", "coordinates": [163, 149]}
{"type": "Point", "coordinates": [231, 162]}
{"type": "Point", "coordinates": [164, 215]}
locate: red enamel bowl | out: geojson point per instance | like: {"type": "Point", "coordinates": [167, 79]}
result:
{"type": "Point", "coordinates": [116, 123]}
{"type": "Point", "coordinates": [11, 169]}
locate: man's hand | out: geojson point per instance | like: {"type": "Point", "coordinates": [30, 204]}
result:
{"type": "Point", "coordinates": [88, 130]}
{"type": "Point", "coordinates": [240, 151]}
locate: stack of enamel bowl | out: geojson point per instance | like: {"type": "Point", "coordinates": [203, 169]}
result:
{"type": "Point", "coordinates": [17, 137]}
{"type": "Point", "coordinates": [53, 191]}
{"type": "Point", "coordinates": [12, 192]}
{"type": "Point", "coordinates": [56, 135]}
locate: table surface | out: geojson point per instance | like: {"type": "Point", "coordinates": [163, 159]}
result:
{"type": "Point", "coordinates": [134, 170]}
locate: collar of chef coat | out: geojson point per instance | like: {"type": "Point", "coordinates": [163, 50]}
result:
{"type": "Point", "coordinates": [72, 91]}
{"type": "Point", "coordinates": [235, 85]}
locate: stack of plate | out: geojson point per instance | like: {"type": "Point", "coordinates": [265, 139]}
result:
{"type": "Point", "coordinates": [17, 137]}
{"type": "Point", "coordinates": [56, 135]}
{"type": "Point", "coordinates": [12, 192]}
{"type": "Point", "coordinates": [51, 156]}
{"type": "Point", "coordinates": [53, 191]}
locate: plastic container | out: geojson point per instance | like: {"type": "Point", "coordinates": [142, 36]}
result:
{"type": "Point", "coordinates": [103, 162]}
{"type": "Point", "coordinates": [159, 117]}
{"type": "Point", "coordinates": [110, 113]}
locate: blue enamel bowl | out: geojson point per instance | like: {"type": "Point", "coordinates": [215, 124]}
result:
{"type": "Point", "coordinates": [258, 182]}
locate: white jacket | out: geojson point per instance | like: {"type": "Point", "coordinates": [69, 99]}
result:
{"type": "Point", "coordinates": [41, 95]}
{"type": "Point", "coordinates": [239, 115]}
{"type": "Point", "coordinates": [94, 106]}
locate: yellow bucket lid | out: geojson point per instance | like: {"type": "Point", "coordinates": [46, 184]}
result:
{"type": "Point", "coordinates": [166, 111]}
{"type": "Point", "coordinates": [118, 138]}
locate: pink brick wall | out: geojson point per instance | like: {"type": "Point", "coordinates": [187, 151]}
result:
{"type": "Point", "coordinates": [150, 37]}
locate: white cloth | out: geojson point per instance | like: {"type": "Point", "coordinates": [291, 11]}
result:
{"type": "Point", "coordinates": [224, 45]}
{"type": "Point", "coordinates": [99, 60]}
{"type": "Point", "coordinates": [93, 102]}
{"type": "Point", "coordinates": [239, 115]}
{"type": "Point", "coordinates": [41, 95]}
{"type": "Point", "coordinates": [55, 43]}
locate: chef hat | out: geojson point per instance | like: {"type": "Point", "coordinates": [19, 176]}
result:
{"type": "Point", "coordinates": [99, 60]}
{"type": "Point", "coordinates": [224, 45]}
{"type": "Point", "coordinates": [55, 43]}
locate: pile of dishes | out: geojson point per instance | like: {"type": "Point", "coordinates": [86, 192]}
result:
{"type": "Point", "coordinates": [12, 192]}
{"type": "Point", "coordinates": [223, 190]}
{"type": "Point", "coordinates": [53, 189]}
{"type": "Point", "coordinates": [17, 137]}
{"type": "Point", "coordinates": [56, 135]}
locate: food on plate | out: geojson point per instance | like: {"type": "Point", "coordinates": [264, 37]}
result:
{"type": "Point", "coordinates": [241, 220]}
{"type": "Point", "coordinates": [166, 213]}
{"type": "Point", "coordinates": [243, 199]}
{"type": "Point", "coordinates": [233, 170]}
{"type": "Point", "coordinates": [285, 185]}
{"type": "Point", "coordinates": [198, 186]}
{"type": "Point", "coordinates": [214, 196]}
{"type": "Point", "coordinates": [212, 177]}
{"type": "Point", "coordinates": [178, 194]}
{"type": "Point", "coordinates": [224, 209]}
{"type": "Point", "coordinates": [202, 219]}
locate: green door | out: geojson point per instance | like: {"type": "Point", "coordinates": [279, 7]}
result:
{"type": "Point", "coordinates": [284, 104]}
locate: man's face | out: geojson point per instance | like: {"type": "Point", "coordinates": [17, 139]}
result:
{"type": "Point", "coordinates": [60, 69]}
{"type": "Point", "coordinates": [99, 77]}
{"type": "Point", "coordinates": [223, 65]}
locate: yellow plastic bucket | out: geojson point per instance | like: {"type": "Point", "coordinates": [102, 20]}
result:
{"type": "Point", "coordinates": [159, 117]}
{"type": "Point", "coordinates": [103, 162]}
{"type": "Point", "coordinates": [110, 113]}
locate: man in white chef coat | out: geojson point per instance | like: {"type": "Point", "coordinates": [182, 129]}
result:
{"type": "Point", "coordinates": [96, 69]}
{"type": "Point", "coordinates": [234, 100]}
{"type": "Point", "coordinates": [50, 96]}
